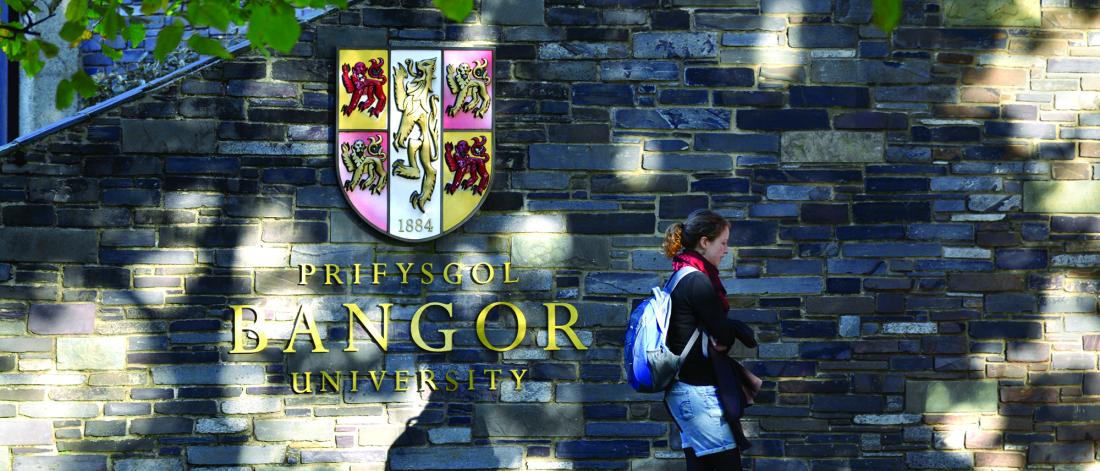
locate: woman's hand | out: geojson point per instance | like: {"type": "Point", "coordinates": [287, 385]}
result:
{"type": "Point", "coordinates": [719, 347]}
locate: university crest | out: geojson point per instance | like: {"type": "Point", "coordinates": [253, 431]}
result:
{"type": "Point", "coordinates": [415, 144]}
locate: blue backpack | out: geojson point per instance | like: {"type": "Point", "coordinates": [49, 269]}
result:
{"type": "Point", "coordinates": [650, 366]}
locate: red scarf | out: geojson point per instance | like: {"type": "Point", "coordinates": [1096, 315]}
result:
{"type": "Point", "coordinates": [692, 258]}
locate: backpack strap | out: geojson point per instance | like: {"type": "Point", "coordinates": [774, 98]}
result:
{"type": "Point", "coordinates": [687, 349]}
{"type": "Point", "coordinates": [679, 275]}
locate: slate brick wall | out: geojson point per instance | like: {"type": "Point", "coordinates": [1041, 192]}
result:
{"type": "Point", "coordinates": [912, 238]}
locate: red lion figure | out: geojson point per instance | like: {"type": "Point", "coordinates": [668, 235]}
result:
{"type": "Point", "coordinates": [463, 158]}
{"type": "Point", "coordinates": [366, 86]}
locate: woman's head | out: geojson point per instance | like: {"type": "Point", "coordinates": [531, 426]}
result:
{"type": "Point", "coordinates": [704, 231]}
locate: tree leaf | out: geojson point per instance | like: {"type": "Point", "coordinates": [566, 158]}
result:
{"type": "Point", "coordinates": [19, 6]}
{"type": "Point", "coordinates": [148, 7]}
{"type": "Point", "coordinates": [112, 53]}
{"type": "Point", "coordinates": [886, 14]}
{"type": "Point", "coordinates": [77, 10]}
{"type": "Point", "coordinates": [48, 49]}
{"type": "Point", "coordinates": [455, 10]}
{"type": "Point", "coordinates": [274, 25]}
{"type": "Point", "coordinates": [168, 39]}
{"type": "Point", "coordinates": [135, 33]}
{"type": "Point", "coordinates": [30, 60]}
{"type": "Point", "coordinates": [71, 31]}
{"type": "Point", "coordinates": [209, 13]}
{"type": "Point", "coordinates": [205, 45]}
{"type": "Point", "coordinates": [84, 84]}
{"type": "Point", "coordinates": [111, 25]}
{"type": "Point", "coordinates": [63, 97]}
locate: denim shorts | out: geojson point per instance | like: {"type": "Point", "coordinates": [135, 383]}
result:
{"type": "Point", "coordinates": [703, 428]}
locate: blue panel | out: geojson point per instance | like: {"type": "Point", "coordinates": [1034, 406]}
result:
{"type": "Point", "coordinates": [3, 84]}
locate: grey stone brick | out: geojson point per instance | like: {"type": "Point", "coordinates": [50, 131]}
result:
{"type": "Point", "coordinates": [209, 374]}
{"type": "Point", "coordinates": [236, 455]}
{"type": "Point", "coordinates": [156, 136]}
{"type": "Point", "coordinates": [61, 463]}
{"type": "Point", "coordinates": [19, 244]}
{"type": "Point", "coordinates": [62, 318]}
{"type": "Point", "coordinates": [549, 250]}
{"type": "Point", "coordinates": [22, 432]}
{"type": "Point", "coordinates": [528, 420]}
{"type": "Point", "coordinates": [512, 12]}
{"type": "Point", "coordinates": [585, 157]}
{"type": "Point", "coordinates": [660, 45]}
{"type": "Point", "coordinates": [476, 457]}
{"type": "Point", "coordinates": [148, 464]}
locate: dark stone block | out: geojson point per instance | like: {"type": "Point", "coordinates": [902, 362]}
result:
{"type": "Point", "coordinates": [753, 98]}
{"type": "Point", "coordinates": [891, 184]}
{"type": "Point", "coordinates": [721, 185]}
{"type": "Point", "coordinates": [503, 201]}
{"type": "Point", "coordinates": [808, 329]}
{"type": "Point", "coordinates": [208, 236]}
{"type": "Point", "coordinates": [1075, 224]}
{"type": "Point", "coordinates": [1021, 259]}
{"type": "Point", "coordinates": [851, 97]}
{"type": "Point", "coordinates": [683, 97]}
{"type": "Point", "coordinates": [822, 213]}
{"type": "Point", "coordinates": [954, 38]}
{"type": "Point", "coordinates": [29, 215]}
{"type": "Point", "coordinates": [625, 223]}
{"type": "Point", "coordinates": [874, 213]}
{"type": "Point", "coordinates": [783, 120]}
{"type": "Point", "coordinates": [719, 76]}
{"type": "Point", "coordinates": [736, 142]}
{"type": "Point", "coordinates": [588, 449]}
{"type": "Point", "coordinates": [186, 407]}
{"type": "Point", "coordinates": [946, 134]}
{"type": "Point", "coordinates": [865, 120]}
{"type": "Point", "coordinates": [848, 403]}
{"type": "Point", "coordinates": [825, 350]}
{"type": "Point", "coordinates": [161, 425]}
{"type": "Point", "coordinates": [673, 118]}
{"type": "Point", "coordinates": [606, 94]}
{"type": "Point", "coordinates": [753, 233]}
{"type": "Point", "coordinates": [1005, 330]}
{"type": "Point", "coordinates": [295, 231]}
{"type": "Point", "coordinates": [218, 285]}
{"type": "Point", "coordinates": [822, 36]}
{"type": "Point", "coordinates": [97, 277]}
{"type": "Point", "coordinates": [168, 136]}
{"type": "Point", "coordinates": [650, 183]}
{"type": "Point", "coordinates": [580, 133]}
{"type": "Point", "coordinates": [671, 207]}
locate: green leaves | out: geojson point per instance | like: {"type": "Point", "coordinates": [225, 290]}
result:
{"type": "Point", "coordinates": [886, 14]}
{"type": "Point", "coordinates": [71, 31]}
{"type": "Point", "coordinates": [273, 25]}
{"type": "Point", "coordinates": [84, 84]}
{"type": "Point", "coordinates": [168, 39]}
{"type": "Point", "coordinates": [63, 97]}
{"type": "Point", "coordinates": [80, 83]}
{"type": "Point", "coordinates": [135, 33]}
{"type": "Point", "coordinates": [77, 10]}
{"type": "Point", "coordinates": [148, 7]}
{"type": "Point", "coordinates": [205, 45]}
{"type": "Point", "coordinates": [455, 10]}
{"type": "Point", "coordinates": [209, 13]}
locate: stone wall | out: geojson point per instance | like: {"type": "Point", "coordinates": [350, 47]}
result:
{"type": "Point", "coordinates": [911, 240]}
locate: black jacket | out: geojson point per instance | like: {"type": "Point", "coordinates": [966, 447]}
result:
{"type": "Point", "coordinates": [695, 303]}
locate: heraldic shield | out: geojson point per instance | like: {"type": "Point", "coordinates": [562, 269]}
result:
{"type": "Point", "coordinates": [415, 140]}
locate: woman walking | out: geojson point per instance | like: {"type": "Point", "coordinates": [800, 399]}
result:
{"type": "Point", "coordinates": [699, 302]}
